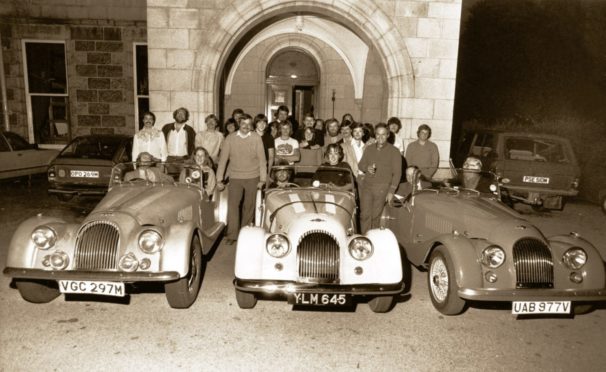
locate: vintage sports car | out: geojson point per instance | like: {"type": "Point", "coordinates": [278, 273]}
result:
{"type": "Point", "coordinates": [475, 248]}
{"type": "Point", "coordinates": [148, 228]}
{"type": "Point", "coordinates": [84, 166]}
{"type": "Point", "coordinates": [19, 158]}
{"type": "Point", "coordinates": [306, 245]}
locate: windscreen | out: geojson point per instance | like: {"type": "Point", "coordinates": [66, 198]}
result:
{"type": "Point", "coordinates": [102, 148]}
{"type": "Point", "coordinates": [536, 149]}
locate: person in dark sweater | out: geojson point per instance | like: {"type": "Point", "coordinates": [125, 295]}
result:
{"type": "Point", "coordinates": [382, 165]}
{"type": "Point", "coordinates": [247, 172]}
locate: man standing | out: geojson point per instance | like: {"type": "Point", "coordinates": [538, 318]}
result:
{"type": "Point", "coordinates": [332, 132]}
{"type": "Point", "coordinates": [247, 169]}
{"type": "Point", "coordinates": [423, 153]}
{"type": "Point", "coordinates": [382, 164]}
{"type": "Point", "coordinates": [180, 137]}
{"type": "Point", "coordinates": [287, 148]}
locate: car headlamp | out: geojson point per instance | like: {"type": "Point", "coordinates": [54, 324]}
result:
{"type": "Point", "coordinates": [574, 258]}
{"type": "Point", "coordinates": [59, 260]}
{"type": "Point", "coordinates": [493, 256]}
{"type": "Point", "coordinates": [277, 245]}
{"type": "Point", "coordinates": [128, 262]}
{"type": "Point", "coordinates": [44, 237]}
{"type": "Point", "coordinates": [360, 248]}
{"type": "Point", "coordinates": [150, 241]}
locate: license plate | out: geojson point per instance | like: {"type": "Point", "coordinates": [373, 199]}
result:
{"type": "Point", "coordinates": [319, 299]}
{"type": "Point", "coordinates": [540, 307]}
{"type": "Point", "coordinates": [532, 179]}
{"type": "Point", "coordinates": [84, 174]}
{"type": "Point", "coordinates": [89, 287]}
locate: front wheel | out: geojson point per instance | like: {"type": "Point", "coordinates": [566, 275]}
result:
{"type": "Point", "coordinates": [245, 300]}
{"type": "Point", "coordinates": [381, 304]}
{"type": "Point", "coordinates": [182, 293]}
{"type": "Point", "coordinates": [37, 291]}
{"type": "Point", "coordinates": [442, 283]}
{"type": "Point", "coordinates": [65, 197]}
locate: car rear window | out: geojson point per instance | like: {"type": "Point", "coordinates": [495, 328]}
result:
{"type": "Point", "coordinates": [536, 149]}
{"type": "Point", "coordinates": [92, 148]}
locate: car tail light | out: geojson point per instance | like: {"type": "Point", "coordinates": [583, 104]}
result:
{"type": "Point", "coordinates": [52, 172]}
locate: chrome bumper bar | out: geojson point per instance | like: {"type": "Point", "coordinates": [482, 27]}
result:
{"type": "Point", "coordinates": [116, 276]}
{"type": "Point", "coordinates": [288, 287]}
{"type": "Point", "coordinates": [532, 294]}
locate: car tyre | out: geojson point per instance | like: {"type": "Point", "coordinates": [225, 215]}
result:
{"type": "Point", "coordinates": [442, 283]}
{"type": "Point", "coordinates": [182, 293]}
{"type": "Point", "coordinates": [38, 292]}
{"type": "Point", "coordinates": [381, 304]}
{"type": "Point", "coordinates": [245, 300]}
{"type": "Point", "coordinates": [65, 197]}
{"type": "Point", "coordinates": [582, 308]}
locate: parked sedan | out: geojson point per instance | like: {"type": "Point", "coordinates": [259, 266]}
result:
{"type": "Point", "coordinates": [19, 158]}
{"type": "Point", "coordinates": [148, 228]}
{"type": "Point", "coordinates": [475, 248]}
{"type": "Point", "coordinates": [306, 246]}
{"type": "Point", "coordinates": [84, 166]}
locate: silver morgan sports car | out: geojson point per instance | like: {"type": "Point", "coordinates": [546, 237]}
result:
{"type": "Point", "coordinates": [149, 227]}
{"type": "Point", "coordinates": [306, 246]}
{"type": "Point", "coordinates": [475, 248]}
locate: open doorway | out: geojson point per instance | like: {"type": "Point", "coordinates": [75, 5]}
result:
{"type": "Point", "coordinates": [302, 101]}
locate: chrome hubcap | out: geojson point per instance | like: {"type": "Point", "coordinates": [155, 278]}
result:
{"type": "Point", "coordinates": [438, 283]}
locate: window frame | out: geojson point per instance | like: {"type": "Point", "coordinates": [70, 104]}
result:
{"type": "Point", "coordinates": [135, 78]}
{"type": "Point", "coordinates": [28, 96]}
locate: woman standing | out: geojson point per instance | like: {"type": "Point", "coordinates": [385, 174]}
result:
{"type": "Point", "coordinates": [210, 139]}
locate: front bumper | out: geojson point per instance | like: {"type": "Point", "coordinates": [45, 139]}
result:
{"type": "Point", "coordinates": [289, 287]}
{"type": "Point", "coordinates": [116, 276]}
{"type": "Point", "coordinates": [483, 294]}
{"type": "Point", "coordinates": [98, 191]}
{"type": "Point", "coordinates": [541, 190]}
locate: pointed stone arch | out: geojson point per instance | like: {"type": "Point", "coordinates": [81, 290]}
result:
{"type": "Point", "coordinates": [363, 17]}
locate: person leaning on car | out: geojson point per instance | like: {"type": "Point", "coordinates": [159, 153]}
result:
{"type": "Point", "coordinates": [382, 165]}
{"type": "Point", "coordinates": [150, 139]}
{"type": "Point", "coordinates": [180, 136]}
{"type": "Point", "coordinates": [247, 172]}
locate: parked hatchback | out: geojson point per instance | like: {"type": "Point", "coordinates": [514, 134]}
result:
{"type": "Point", "coordinates": [84, 166]}
{"type": "Point", "coordinates": [20, 158]}
{"type": "Point", "coordinates": [536, 169]}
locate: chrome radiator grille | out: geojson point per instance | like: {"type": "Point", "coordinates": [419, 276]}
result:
{"type": "Point", "coordinates": [318, 258]}
{"type": "Point", "coordinates": [533, 263]}
{"type": "Point", "coordinates": [97, 246]}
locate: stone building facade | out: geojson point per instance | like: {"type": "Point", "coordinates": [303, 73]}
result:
{"type": "Point", "coordinates": [373, 59]}
{"type": "Point", "coordinates": [95, 91]}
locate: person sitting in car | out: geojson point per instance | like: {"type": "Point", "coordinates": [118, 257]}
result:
{"type": "Point", "coordinates": [147, 171]}
{"type": "Point", "coordinates": [199, 168]}
{"type": "Point", "coordinates": [471, 173]}
{"type": "Point", "coordinates": [413, 183]}
{"type": "Point", "coordinates": [335, 178]}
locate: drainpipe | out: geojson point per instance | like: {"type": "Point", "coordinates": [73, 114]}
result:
{"type": "Point", "coordinates": [3, 88]}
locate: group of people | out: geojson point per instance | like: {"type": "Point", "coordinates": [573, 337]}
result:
{"type": "Point", "coordinates": [249, 146]}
